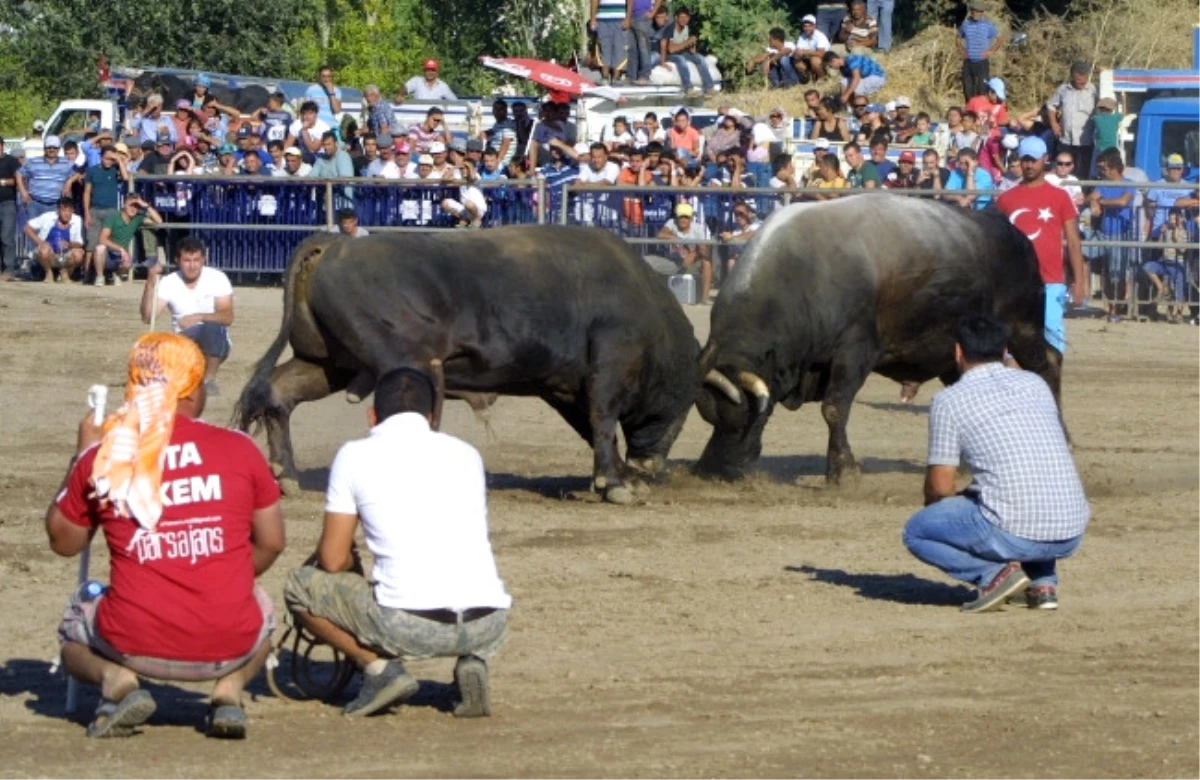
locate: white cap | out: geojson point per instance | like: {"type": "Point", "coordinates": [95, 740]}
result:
{"type": "Point", "coordinates": [39, 125]}
{"type": "Point", "coordinates": [52, 140]}
{"type": "Point", "coordinates": [903, 101]}
{"type": "Point", "coordinates": [437, 147]}
{"type": "Point", "coordinates": [424, 160]}
{"type": "Point", "coordinates": [821, 143]}
{"type": "Point", "coordinates": [808, 18]}
{"type": "Point", "coordinates": [891, 106]}
{"type": "Point", "coordinates": [292, 151]}
{"type": "Point", "coordinates": [583, 147]}
{"type": "Point", "coordinates": [736, 113]}
{"type": "Point", "coordinates": [1010, 141]}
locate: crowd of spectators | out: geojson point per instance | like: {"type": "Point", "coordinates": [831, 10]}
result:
{"type": "Point", "coordinates": [968, 152]}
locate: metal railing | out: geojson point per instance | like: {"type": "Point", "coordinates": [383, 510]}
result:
{"type": "Point", "coordinates": [252, 224]}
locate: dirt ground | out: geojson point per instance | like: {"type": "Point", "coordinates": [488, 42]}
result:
{"type": "Point", "coordinates": [768, 628]}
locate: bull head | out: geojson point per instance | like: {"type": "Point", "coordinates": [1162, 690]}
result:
{"type": "Point", "coordinates": [738, 410]}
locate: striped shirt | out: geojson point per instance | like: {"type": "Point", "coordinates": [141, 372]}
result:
{"type": "Point", "coordinates": [45, 181]}
{"type": "Point", "coordinates": [610, 11]}
{"type": "Point", "coordinates": [861, 31]}
{"type": "Point", "coordinates": [498, 134]}
{"type": "Point", "coordinates": [1004, 423]}
{"type": "Point", "coordinates": [977, 35]}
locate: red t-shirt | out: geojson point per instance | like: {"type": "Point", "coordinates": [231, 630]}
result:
{"type": "Point", "coordinates": [988, 112]}
{"type": "Point", "coordinates": [1040, 213]}
{"type": "Point", "coordinates": [185, 591]}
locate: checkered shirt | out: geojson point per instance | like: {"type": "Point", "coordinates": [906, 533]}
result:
{"type": "Point", "coordinates": [1004, 424]}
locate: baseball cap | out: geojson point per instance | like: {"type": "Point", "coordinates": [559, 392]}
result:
{"type": "Point", "coordinates": [888, 106]}
{"type": "Point", "coordinates": [437, 147]}
{"type": "Point", "coordinates": [808, 19]}
{"type": "Point", "coordinates": [903, 101]}
{"type": "Point", "coordinates": [1175, 161]}
{"type": "Point", "coordinates": [401, 146]}
{"type": "Point", "coordinates": [385, 140]}
{"type": "Point", "coordinates": [474, 145]}
{"type": "Point", "coordinates": [996, 84]}
{"type": "Point", "coordinates": [977, 5]}
{"type": "Point", "coordinates": [908, 156]}
{"type": "Point", "coordinates": [147, 146]}
{"type": "Point", "coordinates": [203, 80]}
{"type": "Point", "coordinates": [226, 149]}
{"type": "Point", "coordinates": [1010, 141]}
{"type": "Point", "coordinates": [52, 141]}
{"type": "Point", "coordinates": [821, 143]}
{"type": "Point", "coordinates": [583, 147]}
{"type": "Point", "coordinates": [181, 103]}
{"type": "Point", "coordinates": [458, 145]}
{"type": "Point", "coordinates": [425, 159]}
{"type": "Point", "coordinates": [430, 64]}
{"type": "Point", "coordinates": [684, 210]}
{"type": "Point", "coordinates": [1031, 146]}
{"type": "Point", "coordinates": [292, 151]}
{"type": "Point", "coordinates": [245, 131]}
{"type": "Point", "coordinates": [39, 125]}
{"type": "Point", "coordinates": [1108, 103]}
{"type": "Point", "coordinates": [163, 136]}
{"type": "Point", "coordinates": [121, 146]}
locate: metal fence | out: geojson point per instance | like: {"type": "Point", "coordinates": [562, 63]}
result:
{"type": "Point", "coordinates": [252, 224]}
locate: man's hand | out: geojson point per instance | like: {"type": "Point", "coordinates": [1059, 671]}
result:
{"type": "Point", "coordinates": [1079, 292]}
{"type": "Point", "coordinates": [592, 25]}
{"type": "Point", "coordinates": [88, 434]}
{"type": "Point", "coordinates": [154, 271]}
{"type": "Point", "coordinates": [190, 320]}
{"type": "Point", "coordinates": [625, 24]}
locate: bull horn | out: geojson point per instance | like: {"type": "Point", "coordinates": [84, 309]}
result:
{"type": "Point", "coordinates": [753, 384]}
{"type": "Point", "coordinates": [722, 383]}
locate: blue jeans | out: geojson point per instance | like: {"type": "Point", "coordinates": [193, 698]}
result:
{"type": "Point", "coordinates": [882, 11]}
{"type": "Point", "coordinates": [954, 536]}
{"type": "Point", "coordinates": [783, 73]}
{"type": "Point", "coordinates": [829, 20]}
{"type": "Point", "coordinates": [685, 79]}
{"type": "Point", "coordinates": [213, 339]}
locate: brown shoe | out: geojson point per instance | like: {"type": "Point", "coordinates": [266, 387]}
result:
{"type": "Point", "coordinates": [992, 595]}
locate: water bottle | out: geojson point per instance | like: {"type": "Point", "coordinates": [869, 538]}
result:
{"type": "Point", "coordinates": [93, 590]}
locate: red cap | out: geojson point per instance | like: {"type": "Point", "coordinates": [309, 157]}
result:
{"type": "Point", "coordinates": [431, 64]}
{"type": "Point", "coordinates": [908, 156]}
{"type": "Point", "coordinates": [401, 145]}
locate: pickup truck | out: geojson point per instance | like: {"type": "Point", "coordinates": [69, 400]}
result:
{"type": "Point", "coordinates": [1160, 109]}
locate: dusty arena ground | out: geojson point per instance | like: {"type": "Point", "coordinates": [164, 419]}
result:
{"type": "Point", "coordinates": [769, 628]}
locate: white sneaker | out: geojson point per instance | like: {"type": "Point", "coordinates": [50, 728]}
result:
{"type": "Point", "coordinates": [116, 280]}
{"type": "Point", "coordinates": [99, 282]}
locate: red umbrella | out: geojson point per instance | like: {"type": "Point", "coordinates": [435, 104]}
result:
{"type": "Point", "coordinates": [550, 75]}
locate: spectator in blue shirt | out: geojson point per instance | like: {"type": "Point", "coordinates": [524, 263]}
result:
{"type": "Point", "coordinates": [327, 96]}
{"type": "Point", "coordinates": [861, 75]}
{"type": "Point", "coordinates": [1159, 202]}
{"type": "Point", "coordinates": [968, 176]}
{"type": "Point", "coordinates": [152, 121]}
{"type": "Point", "coordinates": [42, 181]}
{"type": "Point", "coordinates": [1112, 205]}
{"type": "Point", "coordinates": [978, 40]}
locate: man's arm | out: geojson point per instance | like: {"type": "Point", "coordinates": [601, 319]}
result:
{"type": "Point", "coordinates": [939, 483]}
{"type": "Point", "coordinates": [997, 42]}
{"type": "Point", "coordinates": [67, 538]}
{"type": "Point", "coordinates": [107, 240]}
{"type": "Point", "coordinates": [335, 550]}
{"type": "Point", "coordinates": [1120, 201]}
{"type": "Point", "coordinates": [335, 102]}
{"type": "Point", "coordinates": [150, 297]}
{"type": "Point", "coordinates": [87, 203]}
{"type": "Point", "coordinates": [851, 85]}
{"type": "Point", "coordinates": [222, 314]}
{"type": "Point", "coordinates": [268, 536]}
{"type": "Point", "coordinates": [21, 189]}
{"type": "Point", "coordinates": [960, 41]}
{"type": "Point", "coordinates": [1079, 289]}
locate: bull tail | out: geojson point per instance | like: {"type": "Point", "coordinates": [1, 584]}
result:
{"type": "Point", "coordinates": [256, 402]}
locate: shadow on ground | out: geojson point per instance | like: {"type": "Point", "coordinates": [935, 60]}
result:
{"type": "Point", "coordinates": [898, 588]}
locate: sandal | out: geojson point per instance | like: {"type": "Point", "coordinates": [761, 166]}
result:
{"type": "Point", "coordinates": [226, 721]}
{"type": "Point", "coordinates": [120, 718]}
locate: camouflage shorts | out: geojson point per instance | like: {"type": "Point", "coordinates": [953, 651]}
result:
{"type": "Point", "coordinates": [79, 625]}
{"type": "Point", "coordinates": [346, 599]}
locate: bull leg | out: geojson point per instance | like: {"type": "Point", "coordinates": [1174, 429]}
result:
{"type": "Point", "coordinates": [293, 383]}
{"type": "Point", "coordinates": [847, 375]}
{"type": "Point", "coordinates": [606, 382]}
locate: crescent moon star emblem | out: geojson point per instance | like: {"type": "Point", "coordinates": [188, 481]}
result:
{"type": "Point", "coordinates": [1013, 219]}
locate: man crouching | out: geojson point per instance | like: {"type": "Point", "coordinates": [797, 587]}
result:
{"type": "Point", "coordinates": [190, 512]}
{"type": "Point", "coordinates": [422, 499]}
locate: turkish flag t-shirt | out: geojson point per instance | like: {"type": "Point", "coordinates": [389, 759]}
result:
{"type": "Point", "coordinates": [184, 591]}
{"type": "Point", "coordinates": [1040, 213]}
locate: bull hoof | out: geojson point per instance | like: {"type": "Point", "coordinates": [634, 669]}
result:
{"type": "Point", "coordinates": [353, 398]}
{"type": "Point", "coordinates": [619, 494]}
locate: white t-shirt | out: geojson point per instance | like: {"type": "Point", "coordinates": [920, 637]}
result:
{"type": "Point", "coordinates": [315, 132]}
{"type": "Point", "coordinates": [818, 42]}
{"type": "Point", "coordinates": [44, 223]}
{"type": "Point", "coordinates": [304, 170]}
{"type": "Point", "coordinates": [607, 175]}
{"type": "Point", "coordinates": [643, 138]}
{"type": "Point", "coordinates": [698, 230]}
{"type": "Point", "coordinates": [182, 300]}
{"type": "Point", "coordinates": [1068, 183]}
{"type": "Point", "coordinates": [422, 499]}
{"type": "Point", "coordinates": [418, 89]}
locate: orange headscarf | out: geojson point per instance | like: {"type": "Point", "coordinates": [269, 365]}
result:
{"type": "Point", "coordinates": [163, 367]}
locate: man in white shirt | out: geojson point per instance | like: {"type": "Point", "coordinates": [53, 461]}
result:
{"type": "Point", "coordinates": [596, 208]}
{"type": "Point", "coordinates": [58, 240]}
{"type": "Point", "coordinates": [201, 303]}
{"type": "Point", "coordinates": [293, 163]}
{"type": "Point", "coordinates": [305, 133]}
{"type": "Point", "coordinates": [421, 497]}
{"type": "Point", "coordinates": [686, 226]}
{"type": "Point", "coordinates": [427, 87]}
{"type": "Point", "coordinates": [809, 50]}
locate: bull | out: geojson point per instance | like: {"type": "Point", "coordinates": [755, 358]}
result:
{"type": "Point", "coordinates": [826, 293]}
{"type": "Point", "coordinates": [569, 314]}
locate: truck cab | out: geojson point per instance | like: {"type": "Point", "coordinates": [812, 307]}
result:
{"type": "Point", "coordinates": [1161, 111]}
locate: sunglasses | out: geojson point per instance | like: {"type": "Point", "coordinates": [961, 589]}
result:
{"type": "Point", "coordinates": [1064, 162]}
{"type": "Point", "coordinates": [860, 105]}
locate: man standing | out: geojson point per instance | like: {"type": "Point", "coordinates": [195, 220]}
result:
{"type": "Point", "coordinates": [10, 168]}
{"type": "Point", "coordinates": [101, 194]}
{"type": "Point", "coordinates": [642, 29]}
{"type": "Point", "coordinates": [183, 604]}
{"type": "Point", "coordinates": [117, 233]}
{"type": "Point", "coordinates": [1070, 111]}
{"type": "Point", "coordinates": [151, 124]}
{"type": "Point", "coordinates": [58, 240]}
{"type": "Point", "coordinates": [421, 497]}
{"type": "Point", "coordinates": [378, 114]}
{"type": "Point", "coordinates": [1045, 214]}
{"type": "Point", "coordinates": [881, 12]}
{"type": "Point", "coordinates": [503, 134]}
{"type": "Point", "coordinates": [43, 180]}
{"type": "Point", "coordinates": [611, 20]}
{"type": "Point", "coordinates": [327, 96]}
{"type": "Point", "coordinates": [978, 40]}
{"type": "Point", "coordinates": [1025, 507]}
{"type": "Point", "coordinates": [428, 87]}
{"type": "Point", "coordinates": [201, 304]}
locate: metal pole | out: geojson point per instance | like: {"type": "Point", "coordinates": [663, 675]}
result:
{"type": "Point", "coordinates": [541, 201]}
{"type": "Point", "coordinates": [329, 224]}
{"type": "Point", "coordinates": [566, 197]}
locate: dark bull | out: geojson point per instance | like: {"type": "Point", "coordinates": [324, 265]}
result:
{"type": "Point", "coordinates": [571, 315]}
{"type": "Point", "coordinates": [827, 293]}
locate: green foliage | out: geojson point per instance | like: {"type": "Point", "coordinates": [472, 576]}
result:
{"type": "Point", "coordinates": [369, 41]}
{"type": "Point", "coordinates": [18, 109]}
{"type": "Point", "coordinates": [734, 30]}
